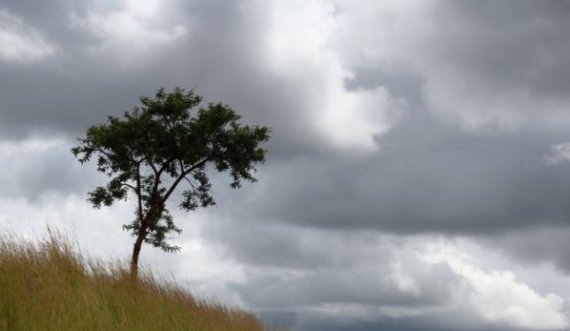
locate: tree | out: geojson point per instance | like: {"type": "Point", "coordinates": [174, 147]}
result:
{"type": "Point", "coordinates": [152, 150]}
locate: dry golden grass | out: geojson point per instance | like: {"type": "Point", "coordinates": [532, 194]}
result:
{"type": "Point", "coordinates": [49, 285]}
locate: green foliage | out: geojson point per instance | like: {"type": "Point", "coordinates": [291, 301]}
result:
{"type": "Point", "coordinates": [155, 147]}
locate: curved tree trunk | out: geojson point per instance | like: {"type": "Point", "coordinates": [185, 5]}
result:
{"type": "Point", "coordinates": [144, 222]}
{"type": "Point", "coordinates": [135, 257]}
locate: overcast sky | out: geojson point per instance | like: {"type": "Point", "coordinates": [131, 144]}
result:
{"type": "Point", "coordinates": [418, 175]}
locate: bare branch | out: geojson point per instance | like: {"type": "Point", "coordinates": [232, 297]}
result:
{"type": "Point", "coordinates": [182, 176]}
{"type": "Point", "coordinates": [102, 151]}
{"type": "Point", "coordinates": [164, 165]}
{"type": "Point", "coordinates": [129, 186]}
{"type": "Point", "coordinates": [189, 182]}
{"type": "Point", "coordinates": [139, 192]}
{"type": "Point", "coordinates": [153, 168]}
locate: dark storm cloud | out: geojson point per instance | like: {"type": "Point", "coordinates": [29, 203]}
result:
{"type": "Point", "coordinates": [427, 177]}
{"type": "Point", "coordinates": [229, 52]}
{"type": "Point", "coordinates": [73, 88]}
{"type": "Point", "coordinates": [432, 322]}
{"type": "Point", "coordinates": [42, 166]}
{"type": "Point", "coordinates": [308, 232]}
{"type": "Point", "coordinates": [219, 57]}
{"type": "Point", "coordinates": [485, 65]}
{"type": "Point", "coordinates": [432, 177]}
{"type": "Point", "coordinates": [316, 275]}
{"type": "Point", "coordinates": [542, 244]}
{"type": "Point", "coordinates": [522, 45]}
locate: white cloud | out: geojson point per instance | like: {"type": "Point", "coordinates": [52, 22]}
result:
{"type": "Point", "coordinates": [476, 72]}
{"type": "Point", "coordinates": [498, 296]}
{"type": "Point", "coordinates": [20, 42]}
{"type": "Point", "coordinates": [17, 149]}
{"type": "Point", "coordinates": [25, 176]}
{"type": "Point", "coordinates": [302, 49]}
{"type": "Point", "coordinates": [131, 31]}
{"type": "Point", "coordinates": [403, 280]}
{"type": "Point", "coordinates": [478, 102]}
{"type": "Point", "coordinates": [559, 153]}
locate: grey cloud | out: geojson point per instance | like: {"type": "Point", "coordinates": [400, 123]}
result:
{"type": "Point", "coordinates": [489, 64]}
{"type": "Point", "coordinates": [434, 322]}
{"type": "Point", "coordinates": [431, 321]}
{"type": "Point", "coordinates": [369, 287]}
{"type": "Point", "coordinates": [428, 177]}
{"type": "Point", "coordinates": [314, 270]}
{"type": "Point", "coordinates": [220, 57]}
{"type": "Point", "coordinates": [308, 232]}
{"type": "Point", "coordinates": [504, 56]}
{"type": "Point", "coordinates": [31, 172]}
{"type": "Point", "coordinates": [49, 17]}
{"type": "Point", "coordinates": [540, 244]}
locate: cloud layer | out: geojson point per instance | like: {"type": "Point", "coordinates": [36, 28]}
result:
{"type": "Point", "coordinates": [418, 171]}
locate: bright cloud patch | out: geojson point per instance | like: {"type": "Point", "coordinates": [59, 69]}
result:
{"type": "Point", "coordinates": [20, 42]}
{"type": "Point", "coordinates": [403, 280]}
{"type": "Point", "coordinates": [303, 50]}
{"type": "Point", "coordinates": [34, 145]}
{"type": "Point", "coordinates": [497, 296]}
{"type": "Point", "coordinates": [23, 175]}
{"type": "Point", "coordinates": [465, 58]}
{"type": "Point", "coordinates": [559, 153]}
{"type": "Point", "coordinates": [132, 30]}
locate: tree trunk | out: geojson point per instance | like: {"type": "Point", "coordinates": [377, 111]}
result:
{"type": "Point", "coordinates": [135, 256]}
{"type": "Point", "coordinates": [144, 222]}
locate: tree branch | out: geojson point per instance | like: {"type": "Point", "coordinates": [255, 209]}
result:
{"type": "Point", "coordinates": [164, 165]}
{"type": "Point", "coordinates": [181, 165]}
{"type": "Point", "coordinates": [100, 150]}
{"type": "Point", "coordinates": [189, 182]}
{"type": "Point", "coordinates": [129, 186]}
{"type": "Point", "coordinates": [153, 168]}
{"type": "Point", "coordinates": [183, 175]}
{"type": "Point", "coordinates": [139, 192]}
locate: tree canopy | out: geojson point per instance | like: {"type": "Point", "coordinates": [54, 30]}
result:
{"type": "Point", "coordinates": [152, 149]}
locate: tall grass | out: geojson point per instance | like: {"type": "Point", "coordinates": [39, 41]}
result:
{"type": "Point", "coordinates": [50, 285]}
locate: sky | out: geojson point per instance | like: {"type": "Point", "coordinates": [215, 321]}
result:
{"type": "Point", "coordinates": [418, 174]}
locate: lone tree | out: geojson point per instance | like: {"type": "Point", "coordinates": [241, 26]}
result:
{"type": "Point", "coordinates": [153, 149]}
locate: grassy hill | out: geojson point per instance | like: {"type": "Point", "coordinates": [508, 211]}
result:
{"type": "Point", "coordinates": [49, 285]}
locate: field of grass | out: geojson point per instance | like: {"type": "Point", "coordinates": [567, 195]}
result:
{"type": "Point", "coordinates": [49, 285]}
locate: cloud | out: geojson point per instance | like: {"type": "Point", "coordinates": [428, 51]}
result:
{"type": "Point", "coordinates": [478, 71]}
{"type": "Point", "coordinates": [543, 244]}
{"type": "Point", "coordinates": [428, 177]}
{"type": "Point", "coordinates": [559, 153]}
{"type": "Point", "coordinates": [302, 49]}
{"type": "Point", "coordinates": [42, 165]}
{"type": "Point", "coordinates": [21, 43]}
{"type": "Point", "coordinates": [335, 280]}
{"type": "Point", "coordinates": [499, 297]}
{"type": "Point", "coordinates": [129, 32]}
{"type": "Point", "coordinates": [296, 79]}
{"type": "Point", "coordinates": [393, 124]}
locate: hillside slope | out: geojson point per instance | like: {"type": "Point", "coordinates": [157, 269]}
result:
{"type": "Point", "coordinates": [49, 285]}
